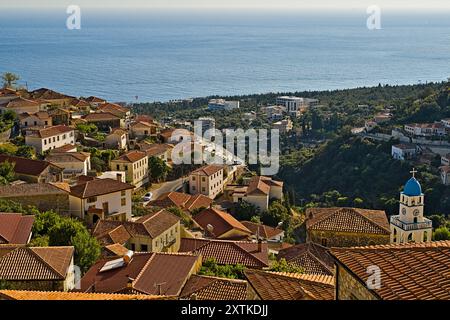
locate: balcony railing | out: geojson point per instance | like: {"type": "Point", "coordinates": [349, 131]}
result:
{"type": "Point", "coordinates": [426, 224]}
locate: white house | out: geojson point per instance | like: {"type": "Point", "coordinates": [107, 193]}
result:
{"type": "Point", "coordinates": [259, 192]}
{"type": "Point", "coordinates": [74, 163]}
{"type": "Point", "coordinates": [445, 175]}
{"type": "Point", "coordinates": [49, 138]}
{"type": "Point", "coordinates": [38, 119]}
{"type": "Point", "coordinates": [404, 151]}
{"type": "Point", "coordinates": [117, 139]}
{"type": "Point", "coordinates": [221, 104]}
{"type": "Point", "coordinates": [425, 129]}
{"type": "Point", "coordinates": [446, 123]}
{"type": "Point", "coordinates": [106, 199]}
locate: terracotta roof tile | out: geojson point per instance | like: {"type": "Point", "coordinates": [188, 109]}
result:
{"type": "Point", "coordinates": [15, 228]}
{"type": "Point", "coordinates": [62, 157]}
{"type": "Point", "coordinates": [208, 170]}
{"type": "Point", "coordinates": [221, 221]}
{"type": "Point", "coordinates": [47, 94]}
{"type": "Point", "coordinates": [43, 263]}
{"type": "Point", "coordinates": [313, 258]}
{"type": "Point", "coordinates": [171, 199]}
{"type": "Point", "coordinates": [348, 220]}
{"type": "Point", "coordinates": [29, 189]}
{"type": "Point", "coordinates": [49, 131]}
{"type": "Point", "coordinates": [228, 252]}
{"type": "Point", "coordinates": [258, 186]}
{"type": "Point", "coordinates": [272, 286]}
{"type": "Point", "coordinates": [416, 271]}
{"type": "Point", "coordinates": [151, 225]}
{"type": "Point", "coordinates": [132, 156]}
{"type": "Point", "coordinates": [100, 116]}
{"type": "Point", "coordinates": [27, 166]}
{"type": "Point", "coordinates": [146, 273]}
{"type": "Point", "coordinates": [198, 201]}
{"type": "Point", "coordinates": [265, 232]}
{"type": "Point", "coordinates": [213, 288]}
{"type": "Point", "coordinates": [60, 296]}
{"type": "Point", "coordinates": [20, 102]}
{"type": "Point", "coordinates": [98, 187]}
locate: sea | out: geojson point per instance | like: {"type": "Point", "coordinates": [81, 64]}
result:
{"type": "Point", "coordinates": [146, 56]}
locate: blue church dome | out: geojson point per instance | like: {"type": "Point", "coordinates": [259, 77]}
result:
{"type": "Point", "coordinates": [412, 188]}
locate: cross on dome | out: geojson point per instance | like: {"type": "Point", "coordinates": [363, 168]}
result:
{"type": "Point", "coordinates": [413, 172]}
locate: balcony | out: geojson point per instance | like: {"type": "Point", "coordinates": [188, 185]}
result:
{"type": "Point", "coordinates": [426, 224]}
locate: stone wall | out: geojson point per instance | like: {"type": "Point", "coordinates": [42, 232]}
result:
{"type": "Point", "coordinates": [55, 202]}
{"type": "Point", "coordinates": [347, 239]}
{"type": "Point", "coordinates": [350, 288]}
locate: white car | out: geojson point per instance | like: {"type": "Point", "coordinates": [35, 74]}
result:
{"type": "Point", "coordinates": [147, 197]}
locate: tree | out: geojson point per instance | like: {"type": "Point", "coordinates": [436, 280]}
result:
{"type": "Point", "coordinates": [7, 173]}
{"type": "Point", "coordinates": [283, 266]}
{"type": "Point", "coordinates": [9, 79]}
{"type": "Point", "coordinates": [275, 214]}
{"type": "Point", "coordinates": [211, 268]}
{"type": "Point", "coordinates": [245, 211]}
{"type": "Point", "coordinates": [441, 233]}
{"type": "Point", "coordinates": [158, 169]}
{"type": "Point", "coordinates": [63, 231]}
{"type": "Point", "coordinates": [25, 152]}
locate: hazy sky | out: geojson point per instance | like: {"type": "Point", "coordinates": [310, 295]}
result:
{"type": "Point", "coordinates": [234, 4]}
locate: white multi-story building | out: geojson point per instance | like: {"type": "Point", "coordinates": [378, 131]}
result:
{"type": "Point", "coordinates": [105, 199]}
{"type": "Point", "coordinates": [222, 104]}
{"type": "Point", "coordinates": [49, 138]}
{"type": "Point", "coordinates": [410, 225]}
{"type": "Point", "coordinates": [404, 151]}
{"type": "Point", "coordinates": [425, 129]}
{"type": "Point", "coordinates": [207, 180]}
{"type": "Point", "coordinates": [296, 105]}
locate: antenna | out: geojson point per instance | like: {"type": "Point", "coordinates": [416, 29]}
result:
{"type": "Point", "coordinates": [158, 286]}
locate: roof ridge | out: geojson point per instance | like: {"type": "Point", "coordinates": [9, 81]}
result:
{"type": "Point", "coordinates": [56, 247]}
{"type": "Point", "coordinates": [144, 268]}
{"type": "Point", "coordinates": [249, 253]}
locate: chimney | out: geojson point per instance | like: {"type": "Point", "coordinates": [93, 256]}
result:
{"type": "Point", "coordinates": [127, 257]}
{"type": "Point", "coordinates": [259, 245]}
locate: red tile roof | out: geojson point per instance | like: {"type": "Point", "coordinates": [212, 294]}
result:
{"type": "Point", "coordinates": [27, 166]}
{"type": "Point", "coordinates": [98, 187]}
{"type": "Point", "coordinates": [100, 116]}
{"type": "Point", "coordinates": [273, 286]}
{"type": "Point", "coordinates": [146, 273]}
{"type": "Point", "coordinates": [20, 102]}
{"type": "Point", "coordinates": [415, 271]}
{"type": "Point", "coordinates": [258, 186]}
{"type": "Point", "coordinates": [151, 225]}
{"type": "Point", "coordinates": [132, 156]}
{"type": "Point", "coordinates": [208, 170]}
{"type": "Point", "coordinates": [228, 252]}
{"type": "Point", "coordinates": [353, 220]}
{"type": "Point", "coordinates": [64, 296]}
{"type": "Point", "coordinates": [15, 228]}
{"type": "Point", "coordinates": [213, 288]}
{"type": "Point", "coordinates": [313, 258]}
{"type": "Point", "coordinates": [265, 232]}
{"type": "Point", "coordinates": [221, 222]}
{"type": "Point", "coordinates": [43, 263]}
{"type": "Point", "coordinates": [47, 94]}
{"type": "Point", "coordinates": [49, 131]}
{"type": "Point", "coordinates": [198, 201]}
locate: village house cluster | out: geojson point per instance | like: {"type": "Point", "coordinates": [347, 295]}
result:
{"type": "Point", "coordinates": [157, 234]}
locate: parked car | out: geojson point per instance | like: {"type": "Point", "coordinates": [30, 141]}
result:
{"type": "Point", "coordinates": [147, 197]}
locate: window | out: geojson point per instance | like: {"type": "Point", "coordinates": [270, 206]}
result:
{"type": "Point", "coordinates": [45, 141]}
{"type": "Point", "coordinates": [193, 188]}
{"type": "Point", "coordinates": [144, 247]}
{"type": "Point", "coordinates": [133, 247]}
{"type": "Point", "coordinates": [126, 167]}
{"type": "Point", "coordinates": [118, 167]}
{"type": "Point", "coordinates": [203, 189]}
{"type": "Point", "coordinates": [57, 138]}
{"type": "Point", "coordinates": [193, 178]}
{"type": "Point", "coordinates": [64, 136]}
{"type": "Point", "coordinates": [123, 193]}
{"type": "Point", "coordinates": [35, 123]}
{"type": "Point", "coordinates": [123, 202]}
{"type": "Point", "coordinates": [92, 199]}
{"type": "Point", "coordinates": [46, 122]}
{"type": "Point", "coordinates": [54, 139]}
{"type": "Point", "coordinates": [203, 179]}
{"type": "Point", "coordinates": [26, 124]}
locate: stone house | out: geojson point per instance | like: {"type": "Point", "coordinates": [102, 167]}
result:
{"type": "Point", "coordinates": [347, 227]}
{"type": "Point", "coordinates": [105, 121]}
{"type": "Point", "coordinates": [43, 196]}
{"type": "Point", "coordinates": [117, 139]}
{"type": "Point", "coordinates": [42, 269]}
{"type": "Point", "coordinates": [34, 170]}
{"type": "Point", "coordinates": [411, 271]}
